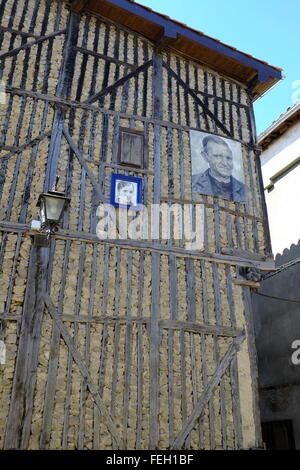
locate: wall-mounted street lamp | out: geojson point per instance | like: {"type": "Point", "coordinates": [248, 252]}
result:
{"type": "Point", "coordinates": [52, 205]}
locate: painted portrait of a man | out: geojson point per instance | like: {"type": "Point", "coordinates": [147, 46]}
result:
{"type": "Point", "coordinates": [217, 167]}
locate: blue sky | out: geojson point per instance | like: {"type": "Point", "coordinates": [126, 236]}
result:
{"type": "Point", "coordinates": [267, 29]}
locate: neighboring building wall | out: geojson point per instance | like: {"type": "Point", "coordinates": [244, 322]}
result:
{"type": "Point", "coordinates": [282, 404]}
{"type": "Point", "coordinates": [151, 321]}
{"type": "Point", "coordinates": [282, 199]}
{"type": "Point", "coordinates": [277, 326]}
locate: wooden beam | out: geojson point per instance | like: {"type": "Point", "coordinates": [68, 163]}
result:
{"type": "Point", "coordinates": [19, 417]}
{"type": "Point", "coordinates": [243, 253]}
{"type": "Point", "coordinates": [128, 244]}
{"type": "Point", "coordinates": [248, 312]}
{"type": "Point", "coordinates": [140, 245]}
{"type": "Point", "coordinates": [21, 33]}
{"type": "Point", "coordinates": [53, 364]}
{"type": "Point", "coordinates": [119, 82]}
{"type": "Point", "coordinates": [63, 88]}
{"type": "Point", "coordinates": [110, 112]}
{"type": "Point", "coordinates": [197, 100]}
{"type": "Point", "coordinates": [164, 42]}
{"type": "Point", "coordinates": [207, 394]}
{"type": "Point", "coordinates": [105, 57]}
{"type": "Point", "coordinates": [41, 245]}
{"type": "Point", "coordinates": [84, 371]}
{"type": "Point", "coordinates": [157, 86]}
{"type": "Point", "coordinates": [154, 353]}
{"type": "Point", "coordinates": [32, 43]}
{"type": "Point", "coordinates": [165, 324]}
{"type": "Point", "coordinates": [78, 5]}
{"type": "Point", "coordinates": [246, 283]}
{"type": "Point", "coordinates": [84, 165]}
{"type": "Point", "coordinates": [201, 328]}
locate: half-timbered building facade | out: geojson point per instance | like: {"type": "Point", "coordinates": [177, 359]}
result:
{"type": "Point", "coordinates": [125, 343]}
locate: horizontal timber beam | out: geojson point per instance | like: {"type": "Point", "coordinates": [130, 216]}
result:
{"type": "Point", "coordinates": [21, 33]}
{"type": "Point", "coordinates": [84, 370]}
{"type": "Point", "coordinates": [32, 142]}
{"type": "Point", "coordinates": [165, 324]}
{"type": "Point", "coordinates": [105, 57]}
{"type": "Point", "coordinates": [95, 108]}
{"type": "Point", "coordinates": [263, 264]}
{"type": "Point", "coordinates": [211, 206]}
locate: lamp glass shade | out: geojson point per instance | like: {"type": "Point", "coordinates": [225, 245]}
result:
{"type": "Point", "coordinates": [54, 206]}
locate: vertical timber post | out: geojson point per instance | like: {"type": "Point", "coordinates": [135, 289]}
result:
{"type": "Point", "coordinates": [247, 291]}
{"type": "Point", "coordinates": [154, 353]}
{"type": "Point", "coordinates": [19, 417]}
{"type": "Point", "coordinates": [154, 333]}
{"type": "Point", "coordinates": [253, 365]}
{"type": "Point", "coordinates": [63, 91]}
{"type": "Point", "coordinates": [20, 413]}
{"type": "Point", "coordinates": [157, 86]}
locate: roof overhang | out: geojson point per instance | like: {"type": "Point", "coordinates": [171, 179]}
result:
{"type": "Point", "coordinates": [282, 124]}
{"type": "Point", "coordinates": [256, 74]}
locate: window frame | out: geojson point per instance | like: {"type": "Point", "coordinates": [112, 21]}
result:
{"type": "Point", "coordinates": [136, 132]}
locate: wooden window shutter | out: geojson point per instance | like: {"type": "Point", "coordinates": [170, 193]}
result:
{"type": "Point", "coordinates": [131, 148]}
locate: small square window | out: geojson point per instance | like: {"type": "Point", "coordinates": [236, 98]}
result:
{"type": "Point", "coordinates": [131, 148]}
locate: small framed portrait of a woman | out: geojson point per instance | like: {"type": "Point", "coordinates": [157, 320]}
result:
{"type": "Point", "coordinates": [126, 191]}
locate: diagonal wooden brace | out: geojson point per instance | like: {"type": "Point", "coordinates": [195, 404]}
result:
{"type": "Point", "coordinates": [84, 371]}
{"type": "Point", "coordinates": [32, 43]}
{"type": "Point", "coordinates": [207, 394]}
